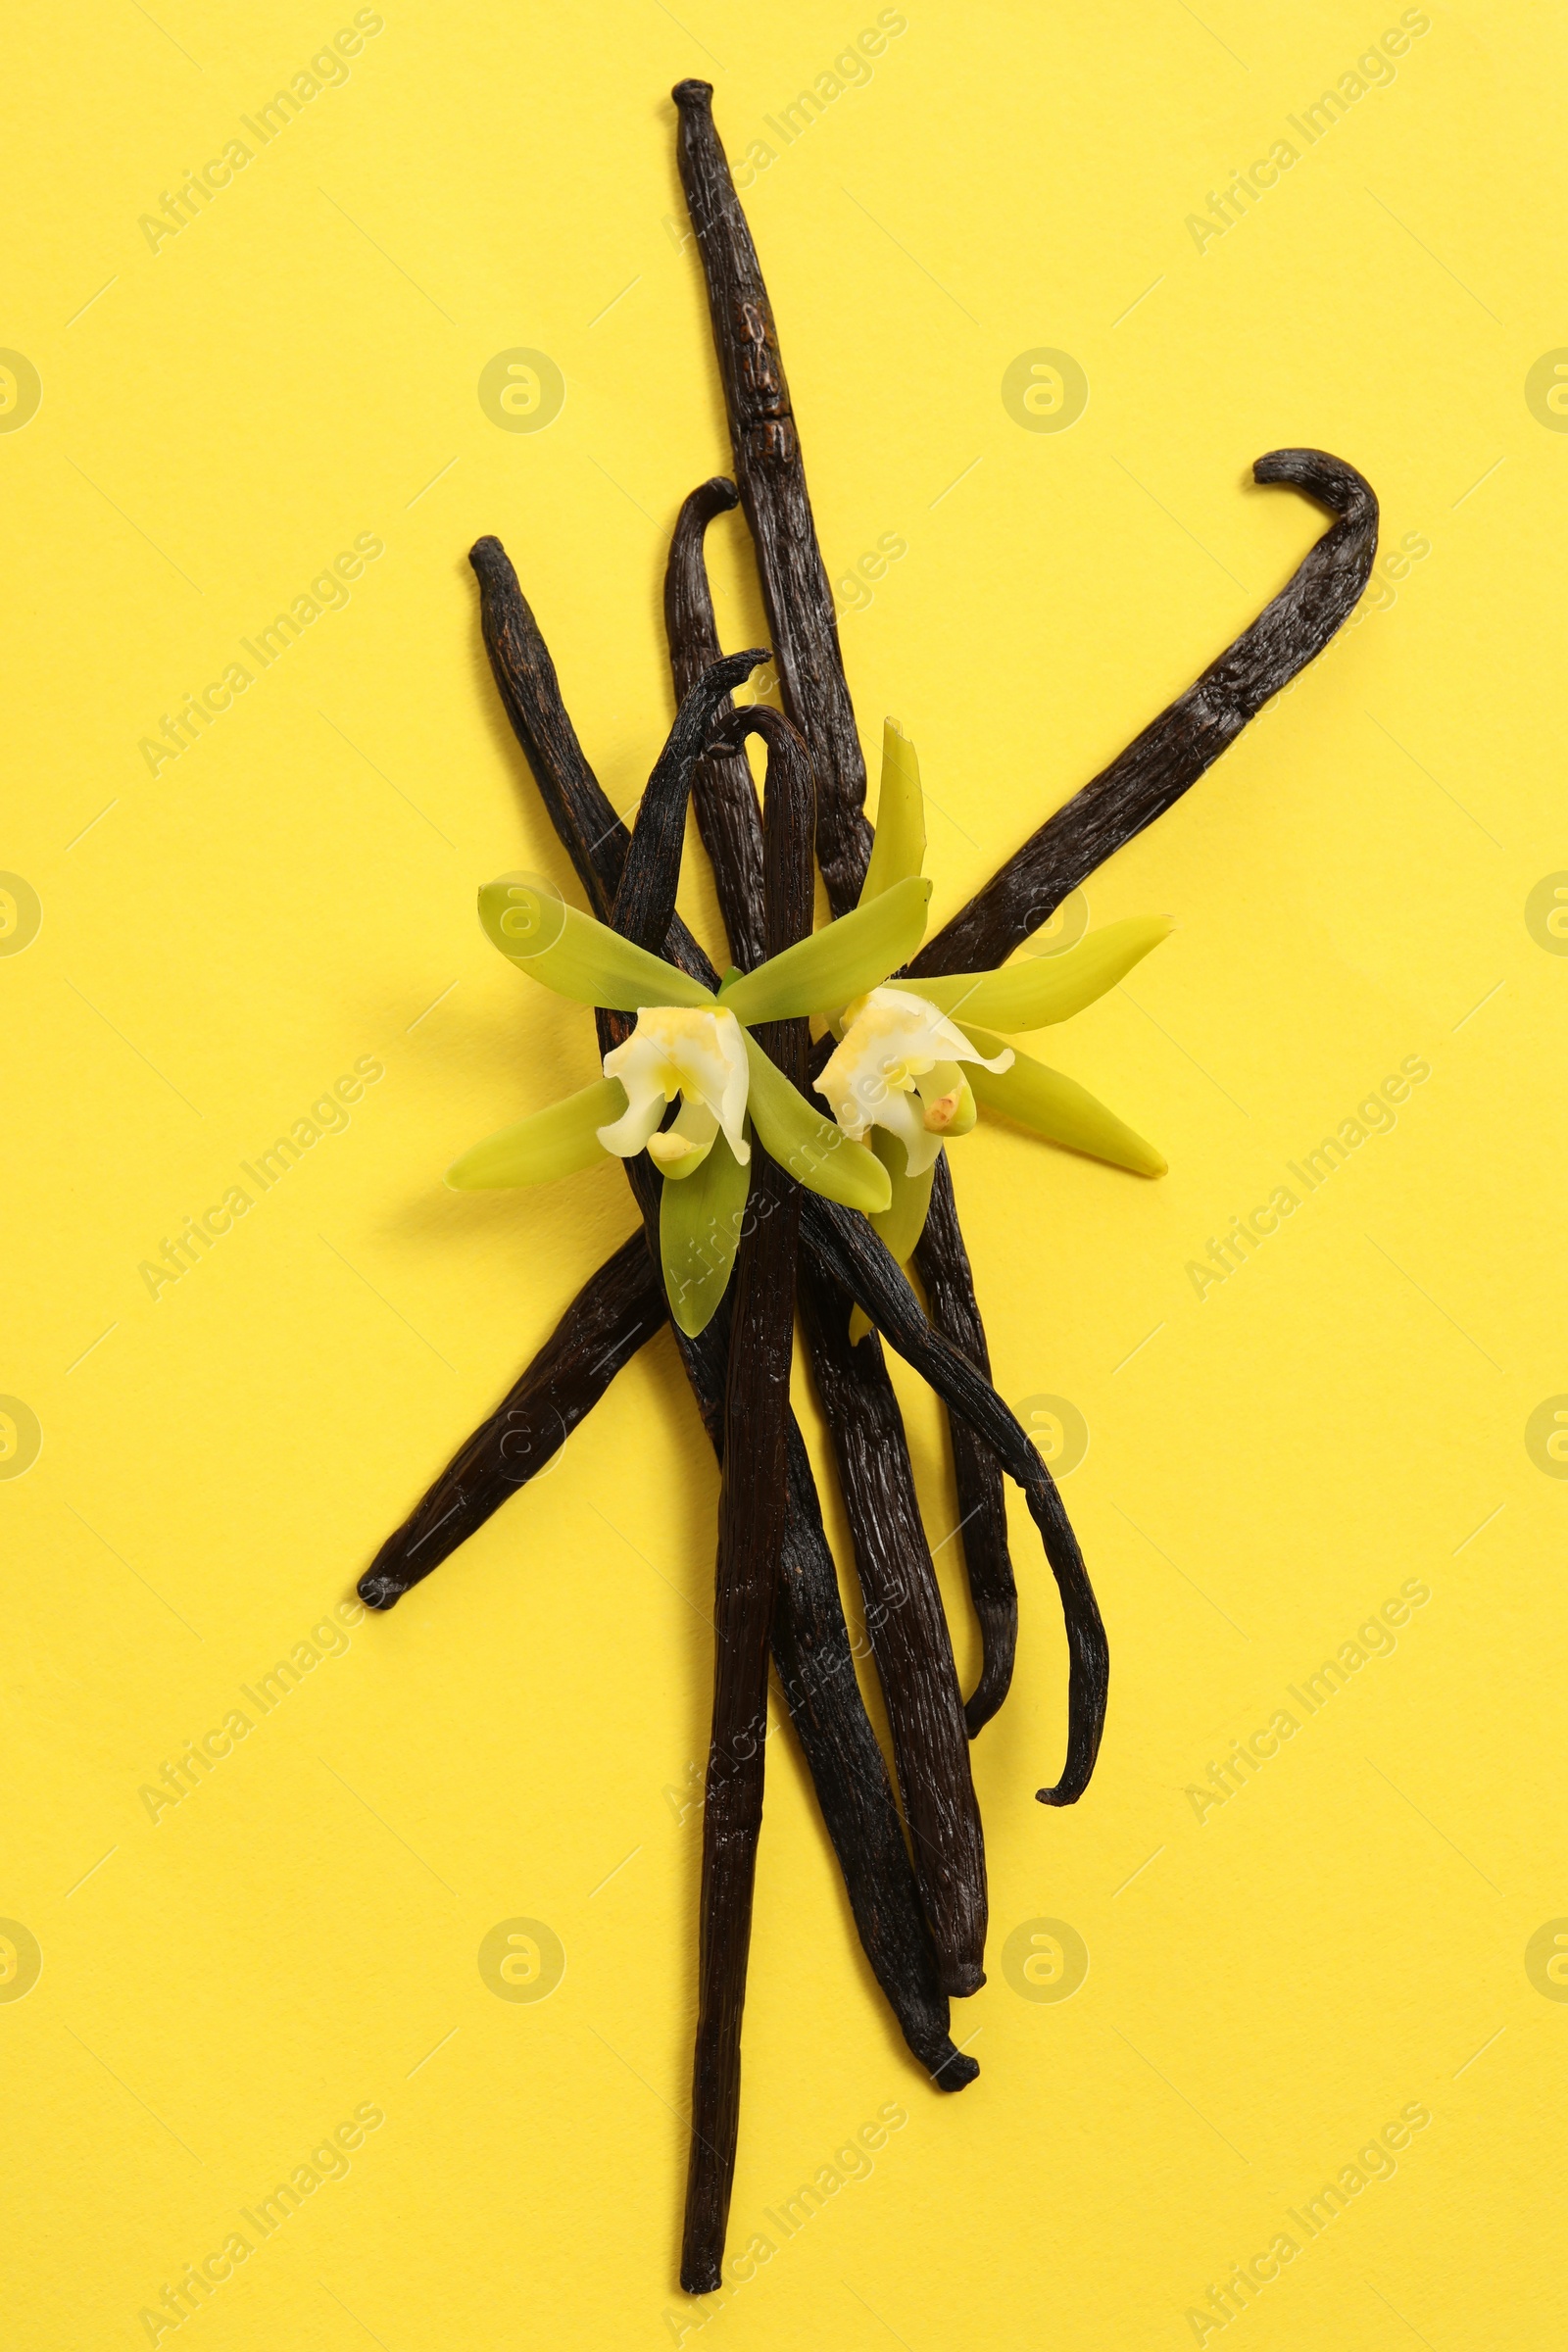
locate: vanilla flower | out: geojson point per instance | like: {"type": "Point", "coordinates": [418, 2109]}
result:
{"type": "Point", "coordinates": [915, 1063]}
{"type": "Point", "coordinates": [699, 1056]}
{"type": "Point", "coordinates": [911, 1069]}
{"type": "Point", "coordinates": [695, 1048]}
{"type": "Point", "coordinates": [896, 1067]}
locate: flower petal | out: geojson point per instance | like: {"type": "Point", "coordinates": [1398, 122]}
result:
{"type": "Point", "coordinates": [577, 957]}
{"type": "Point", "coordinates": [553, 1142]}
{"type": "Point", "coordinates": [839, 961]}
{"type": "Point", "coordinates": [899, 848]}
{"type": "Point", "coordinates": [903, 1116]}
{"type": "Point", "coordinates": [680, 1151]}
{"type": "Point", "coordinates": [891, 1042]}
{"type": "Point", "coordinates": [809, 1148]}
{"type": "Point", "coordinates": [1047, 988]}
{"type": "Point", "coordinates": [698, 1232]}
{"type": "Point", "coordinates": [1061, 1110]}
{"type": "Point", "coordinates": [899, 1226]}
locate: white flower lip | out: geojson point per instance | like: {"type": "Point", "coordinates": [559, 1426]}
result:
{"type": "Point", "coordinates": [701, 1056]}
{"type": "Point", "coordinates": [891, 1039]}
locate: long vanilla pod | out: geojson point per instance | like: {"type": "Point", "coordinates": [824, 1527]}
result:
{"type": "Point", "coordinates": [762, 1330]}
{"type": "Point", "coordinates": [909, 1628]}
{"type": "Point", "coordinates": [811, 1641]}
{"type": "Point", "coordinates": [1175, 748]}
{"type": "Point", "coordinates": [772, 473]}
{"type": "Point", "coordinates": [857, 1260]}
{"type": "Point", "coordinates": [616, 1312]}
{"type": "Point", "coordinates": [772, 486]}
{"type": "Point", "coordinates": [754, 1494]}
{"type": "Point", "coordinates": [815, 1665]}
{"type": "Point", "coordinates": [1143, 781]}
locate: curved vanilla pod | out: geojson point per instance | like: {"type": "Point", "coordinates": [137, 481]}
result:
{"type": "Point", "coordinates": [810, 1640]}
{"type": "Point", "coordinates": [753, 1496]}
{"type": "Point", "coordinates": [1187, 738]}
{"type": "Point", "coordinates": [942, 1264]}
{"type": "Point", "coordinates": [724, 796]}
{"type": "Point", "coordinates": [616, 1311]}
{"type": "Point", "coordinates": [908, 1626]}
{"type": "Point", "coordinates": [773, 485]}
{"type": "Point", "coordinates": [857, 1259]}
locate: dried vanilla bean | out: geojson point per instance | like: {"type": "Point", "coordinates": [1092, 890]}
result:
{"type": "Point", "coordinates": [942, 1264]}
{"type": "Point", "coordinates": [616, 1311]}
{"type": "Point", "coordinates": [811, 1641]}
{"type": "Point", "coordinates": [816, 1673]}
{"type": "Point", "coordinates": [905, 1617]}
{"type": "Point", "coordinates": [752, 1502]}
{"type": "Point", "coordinates": [795, 591]}
{"type": "Point", "coordinates": [530, 694]}
{"type": "Point", "coordinates": [908, 1628]}
{"type": "Point", "coordinates": [904, 1614]}
{"type": "Point", "coordinates": [1188, 737]}
{"type": "Point", "coordinates": [848, 1247]}
{"type": "Point", "coordinates": [773, 485]}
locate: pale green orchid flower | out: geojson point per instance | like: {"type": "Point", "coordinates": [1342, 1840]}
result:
{"type": "Point", "coordinates": [695, 1048]}
{"type": "Point", "coordinates": [917, 1061]}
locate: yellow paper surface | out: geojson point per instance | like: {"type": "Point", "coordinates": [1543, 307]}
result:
{"type": "Point", "coordinates": [1367, 885]}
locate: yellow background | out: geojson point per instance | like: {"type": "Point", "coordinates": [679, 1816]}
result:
{"type": "Point", "coordinates": [220, 941]}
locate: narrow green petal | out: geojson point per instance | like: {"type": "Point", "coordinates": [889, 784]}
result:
{"type": "Point", "coordinates": [900, 1226]}
{"type": "Point", "coordinates": [575, 956]}
{"type": "Point", "coordinates": [898, 849]}
{"type": "Point", "coordinates": [812, 1151]}
{"type": "Point", "coordinates": [1058, 1109]}
{"type": "Point", "coordinates": [553, 1142]}
{"type": "Point", "coordinates": [700, 1223]}
{"type": "Point", "coordinates": [838, 963]}
{"type": "Point", "coordinates": [1047, 988]}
